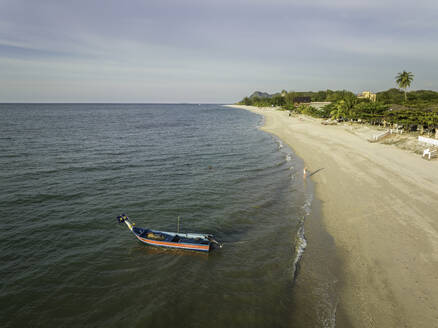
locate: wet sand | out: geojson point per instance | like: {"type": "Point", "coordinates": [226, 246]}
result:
{"type": "Point", "coordinates": [380, 204]}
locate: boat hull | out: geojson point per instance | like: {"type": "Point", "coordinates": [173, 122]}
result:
{"type": "Point", "coordinates": [168, 244]}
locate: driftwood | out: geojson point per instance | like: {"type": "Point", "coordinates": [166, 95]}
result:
{"type": "Point", "coordinates": [329, 122]}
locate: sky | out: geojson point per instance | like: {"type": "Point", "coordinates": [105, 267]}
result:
{"type": "Point", "coordinates": [200, 51]}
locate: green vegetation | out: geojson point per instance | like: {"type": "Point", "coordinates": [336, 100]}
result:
{"type": "Point", "coordinates": [420, 99]}
{"type": "Point", "coordinates": [286, 99]}
{"type": "Point", "coordinates": [413, 110]}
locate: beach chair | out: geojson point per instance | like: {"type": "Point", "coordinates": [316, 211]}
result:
{"type": "Point", "coordinates": [429, 153]}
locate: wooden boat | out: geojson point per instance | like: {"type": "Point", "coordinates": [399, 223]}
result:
{"type": "Point", "coordinates": [188, 241]}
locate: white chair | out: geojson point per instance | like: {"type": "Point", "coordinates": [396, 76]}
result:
{"type": "Point", "coordinates": [429, 153]}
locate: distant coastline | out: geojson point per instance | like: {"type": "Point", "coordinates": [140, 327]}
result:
{"type": "Point", "coordinates": [380, 204]}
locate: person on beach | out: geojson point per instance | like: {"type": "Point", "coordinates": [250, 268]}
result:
{"type": "Point", "coordinates": [305, 171]}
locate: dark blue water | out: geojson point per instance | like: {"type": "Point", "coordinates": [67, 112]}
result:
{"type": "Point", "coordinates": [68, 170]}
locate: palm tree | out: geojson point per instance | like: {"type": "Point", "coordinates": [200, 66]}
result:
{"type": "Point", "coordinates": [404, 80]}
{"type": "Point", "coordinates": [340, 110]}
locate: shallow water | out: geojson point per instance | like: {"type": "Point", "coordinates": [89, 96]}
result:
{"type": "Point", "coordinates": [68, 170]}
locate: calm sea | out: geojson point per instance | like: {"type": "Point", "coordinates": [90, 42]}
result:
{"type": "Point", "coordinates": [67, 171]}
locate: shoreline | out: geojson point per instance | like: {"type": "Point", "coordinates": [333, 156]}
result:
{"type": "Point", "coordinates": [380, 205]}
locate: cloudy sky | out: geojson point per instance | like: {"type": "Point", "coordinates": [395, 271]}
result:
{"type": "Point", "coordinates": [210, 51]}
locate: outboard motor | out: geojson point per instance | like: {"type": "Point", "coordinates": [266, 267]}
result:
{"type": "Point", "coordinates": [214, 241]}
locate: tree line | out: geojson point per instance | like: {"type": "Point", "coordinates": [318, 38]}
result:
{"type": "Point", "coordinates": [287, 99]}
{"type": "Point", "coordinates": [412, 110]}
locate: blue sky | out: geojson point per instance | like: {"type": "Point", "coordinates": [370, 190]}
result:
{"type": "Point", "coordinates": [210, 51]}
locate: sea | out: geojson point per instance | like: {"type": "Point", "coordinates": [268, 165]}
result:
{"type": "Point", "coordinates": [68, 170]}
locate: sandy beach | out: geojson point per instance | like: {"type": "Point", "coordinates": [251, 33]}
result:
{"type": "Point", "coordinates": [380, 204]}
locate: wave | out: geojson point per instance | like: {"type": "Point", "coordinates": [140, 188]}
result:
{"type": "Point", "coordinates": [300, 238]}
{"type": "Point", "coordinates": [300, 246]}
{"type": "Point", "coordinates": [307, 207]}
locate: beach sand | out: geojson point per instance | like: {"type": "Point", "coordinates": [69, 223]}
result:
{"type": "Point", "coordinates": [380, 204]}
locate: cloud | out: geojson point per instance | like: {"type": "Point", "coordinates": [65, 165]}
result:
{"type": "Point", "coordinates": [224, 46]}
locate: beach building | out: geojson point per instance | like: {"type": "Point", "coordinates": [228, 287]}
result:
{"type": "Point", "coordinates": [319, 104]}
{"type": "Point", "coordinates": [367, 95]}
{"type": "Point", "coordinates": [302, 100]}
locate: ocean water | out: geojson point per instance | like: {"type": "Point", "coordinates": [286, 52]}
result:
{"type": "Point", "coordinates": [67, 171]}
